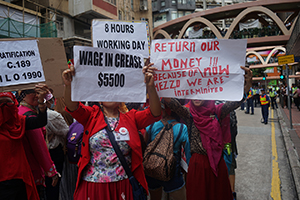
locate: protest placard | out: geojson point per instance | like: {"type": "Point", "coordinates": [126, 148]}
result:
{"type": "Point", "coordinates": [107, 75]}
{"type": "Point", "coordinates": [207, 69]}
{"type": "Point", "coordinates": [20, 63]}
{"type": "Point", "coordinates": [125, 36]}
{"type": "Point", "coordinates": [53, 58]}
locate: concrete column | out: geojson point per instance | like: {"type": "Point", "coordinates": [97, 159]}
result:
{"type": "Point", "coordinates": [204, 5]}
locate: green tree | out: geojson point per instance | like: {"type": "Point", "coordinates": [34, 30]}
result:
{"type": "Point", "coordinates": [258, 72]}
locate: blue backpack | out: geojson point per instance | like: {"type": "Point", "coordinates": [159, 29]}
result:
{"type": "Point", "coordinates": [74, 139]}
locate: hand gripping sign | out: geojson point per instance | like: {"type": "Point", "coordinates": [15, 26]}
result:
{"type": "Point", "coordinates": [199, 69]}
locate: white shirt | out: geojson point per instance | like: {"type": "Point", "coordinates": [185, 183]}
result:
{"type": "Point", "coordinates": [56, 128]}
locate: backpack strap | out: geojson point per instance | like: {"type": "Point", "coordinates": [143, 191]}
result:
{"type": "Point", "coordinates": [179, 134]}
{"type": "Point", "coordinates": [149, 133]}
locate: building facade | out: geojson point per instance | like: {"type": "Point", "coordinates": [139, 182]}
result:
{"type": "Point", "coordinates": [68, 19]}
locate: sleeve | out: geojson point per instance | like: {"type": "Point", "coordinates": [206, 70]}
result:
{"type": "Point", "coordinates": [144, 118]}
{"type": "Point", "coordinates": [184, 136]}
{"type": "Point", "coordinates": [40, 151]}
{"type": "Point", "coordinates": [82, 114]}
{"type": "Point", "coordinates": [58, 126]}
{"type": "Point", "coordinates": [36, 122]}
{"type": "Point", "coordinates": [179, 109]}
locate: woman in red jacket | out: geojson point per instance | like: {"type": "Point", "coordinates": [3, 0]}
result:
{"type": "Point", "coordinates": [101, 175]}
{"type": "Point", "coordinates": [16, 179]}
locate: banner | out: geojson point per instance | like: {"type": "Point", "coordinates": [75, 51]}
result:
{"type": "Point", "coordinates": [107, 75]}
{"type": "Point", "coordinates": [199, 69]}
{"type": "Point", "coordinates": [20, 63]}
{"type": "Point", "coordinates": [121, 35]}
{"type": "Point", "coordinates": [254, 24]}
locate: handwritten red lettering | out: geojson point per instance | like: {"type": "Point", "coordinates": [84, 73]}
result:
{"type": "Point", "coordinates": [171, 45]}
{"type": "Point", "coordinates": [169, 64]}
{"type": "Point", "coordinates": [185, 46]}
{"type": "Point", "coordinates": [209, 82]}
{"type": "Point", "coordinates": [163, 47]}
{"type": "Point", "coordinates": [191, 63]}
{"type": "Point", "coordinates": [174, 84]}
{"type": "Point", "coordinates": [209, 46]}
{"type": "Point", "coordinates": [216, 43]}
{"type": "Point", "coordinates": [193, 83]}
{"type": "Point", "coordinates": [201, 90]}
{"type": "Point", "coordinates": [198, 60]}
{"type": "Point", "coordinates": [165, 85]}
{"type": "Point", "coordinates": [156, 47]}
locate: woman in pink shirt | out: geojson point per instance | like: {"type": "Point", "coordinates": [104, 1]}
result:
{"type": "Point", "coordinates": [35, 146]}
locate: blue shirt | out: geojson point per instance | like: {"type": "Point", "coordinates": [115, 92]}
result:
{"type": "Point", "coordinates": [157, 126]}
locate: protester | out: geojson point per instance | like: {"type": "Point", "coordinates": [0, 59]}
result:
{"type": "Point", "coordinates": [233, 166]}
{"type": "Point", "coordinates": [56, 131]}
{"type": "Point", "coordinates": [207, 176]}
{"type": "Point", "coordinates": [34, 143]}
{"type": "Point", "coordinates": [283, 102]}
{"type": "Point", "coordinates": [256, 96]}
{"type": "Point", "coordinates": [242, 106]}
{"type": "Point", "coordinates": [175, 187]}
{"type": "Point", "coordinates": [16, 179]}
{"type": "Point", "coordinates": [265, 104]}
{"type": "Point", "coordinates": [273, 95]}
{"type": "Point", "coordinates": [101, 175]}
{"type": "Point", "coordinates": [296, 96]}
{"type": "Point", "coordinates": [232, 148]}
{"type": "Point", "coordinates": [250, 102]}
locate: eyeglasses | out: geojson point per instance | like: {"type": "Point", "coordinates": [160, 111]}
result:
{"type": "Point", "coordinates": [9, 104]}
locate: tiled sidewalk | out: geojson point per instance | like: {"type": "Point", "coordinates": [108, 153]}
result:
{"type": "Point", "coordinates": [291, 136]}
{"type": "Point", "coordinates": [295, 131]}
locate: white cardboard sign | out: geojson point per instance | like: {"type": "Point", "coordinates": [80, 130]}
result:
{"type": "Point", "coordinates": [107, 75]}
{"type": "Point", "coordinates": [207, 69]}
{"type": "Point", "coordinates": [121, 35]}
{"type": "Point", "coordinates": [20, 63]}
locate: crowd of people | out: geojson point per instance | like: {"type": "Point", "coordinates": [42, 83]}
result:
{"type": "Point", "coordinates": [271, 97]}
{"type": "Point", "coordinates": [33, 136]}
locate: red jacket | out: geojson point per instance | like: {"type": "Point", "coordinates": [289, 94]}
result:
{"type": "Point", "coordinates": [92, 119]}
{"type": "Point", "coordinates": [14, 164]}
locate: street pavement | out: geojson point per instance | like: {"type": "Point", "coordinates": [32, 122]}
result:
{"type": "Point", "coordinates": [291, 133]}
{"type": "Point", "coordinates": [267, 164]}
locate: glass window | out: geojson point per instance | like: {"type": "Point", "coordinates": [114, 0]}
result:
{"type": "Point", "coordinates": [174, 14]}
{"type": "Point", "coordinates": [162, 3]}
{"type": "Point", "coordinates": [173, 2]}
{"type": "Point", "coordinates": [180, 14]}
{"type": "Point", "coordinates": [159, 19]}
{"type": "Point", "coordinates": [120, 15]}
{"type": "Point", "coordinates": [154, 4]}
{"type": "Point", "coordinates": [60, 22]}
{"type": "Point", "coordinates": [111, 1]}
{"type": "Point", "coordinates": [183, 1]}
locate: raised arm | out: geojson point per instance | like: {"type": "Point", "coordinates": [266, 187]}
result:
{"type": "Point", "coordinates": [36, 122]}
{"type": "Point", "coordinates": [67, 76]}
{"type": "Point", "coordinates": [154, 101]}
{"type": "Point", "coordinates": [176, 107]}
{"type": "Point", "coordinates": [41, 119]}
{"type": "Point", "coordinates": [232, 105]}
